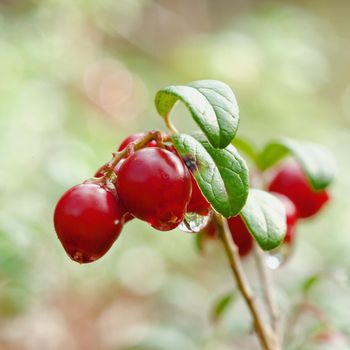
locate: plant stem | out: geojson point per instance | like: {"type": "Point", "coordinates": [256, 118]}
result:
{"type": "Point", "coordinates": [267, 283]}
{"type": "Point", "coordinates": [133, 146]}
{"type": "Point", "coordinates": [170, 125]}
{"type": "Point", "coordinates": [263, 332]}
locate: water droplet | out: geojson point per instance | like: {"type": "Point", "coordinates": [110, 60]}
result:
{"type": "Point", "coordinates": [194, 222]}
{"type": "Point", "coordinates": [277, 257]}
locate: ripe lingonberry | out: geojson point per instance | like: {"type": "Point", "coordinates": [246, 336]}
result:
{"type": "Point", "coordinates": [101, 171]}
{"type": "Point", "coordinates": [155, 186]}
{"type": "Point", "coordinates": [198, 204]}
{"type": "Point", "coordinates": [88, 219]}
{"type": "Point", "coordinates": [292, 217]}
{"type": "Point", "coordinates": [291, 181]}
{"type": "Point", "coordinates": [240, 234]}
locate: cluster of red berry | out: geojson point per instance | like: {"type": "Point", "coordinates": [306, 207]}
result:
{"type": "Point", "coordinates": [291, 186]}
{"type": "Point", "coordinates": [152, 184]}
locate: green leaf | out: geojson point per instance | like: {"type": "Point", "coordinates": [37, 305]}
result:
{"type": "Point", "coordinates": [315, 160]}
{"type": "Point", "coordinates": [310, 282]}
{"type": "Point", "coordinates": [221, 305]}
{"type": "Point", "coordinates": [212, 104]}
{"type": "Point", "coordinates": [265, 217]}
{"type": "Point", "coordinates": [221, 174]}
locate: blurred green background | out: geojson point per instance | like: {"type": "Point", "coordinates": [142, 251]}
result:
{"type": "Point", "coordinates": [77, 77]}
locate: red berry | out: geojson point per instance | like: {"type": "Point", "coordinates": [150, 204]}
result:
{"type": "Point", "coordinates": [88, 219]}
{"type": "Point", "coordinates": [198, 204]}
{"type": "Point", "coordinates": [240, 234]}
{"type": "Point", "coordinates": [133, 138]}
{"type": "Point", "coordinates": [291, 182]}
{"type": "Point", "coordinates": [292, 217]}
{"type": "Point", "coordinates": [155, 186]}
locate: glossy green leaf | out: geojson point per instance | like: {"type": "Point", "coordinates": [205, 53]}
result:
{"type": "Point", "coordinates": [221, 305]}
{"type": "Point", "coordinates": [221, 174]}
{"type": "Point", "coordinates": [315, 160]}
{"type": "Point", "coordinates": [265, 217]}
{"type": "Point", "coordinates": [212, 104]}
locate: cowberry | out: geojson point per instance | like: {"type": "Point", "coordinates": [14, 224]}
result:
{"type": "Point", "coordinates": [101, 171]}
{"type": "Point", "coordinates": [88, 219]}
{"type": "Point", "coordinates": [292, 217]}
{"type": "Point", "coordinates": [291, 181]}
{"type": "Point", "coordinates": [198, 204]}
{"type": "Point", "coordinates": [240, 234]}
{"type": "Point", "coordinates": [155, 186]}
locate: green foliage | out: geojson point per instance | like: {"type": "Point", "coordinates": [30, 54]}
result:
{"type": "Point", "coordinates": [310, 282]}
{"type": "Point", "coordinates": [221, 305]}
{"type": "Point", "coordinates": [265, 217]}
{"type": "Point", "coordinates": [221, 174]}
{"type": "Point", "coordinates": [212, 105]}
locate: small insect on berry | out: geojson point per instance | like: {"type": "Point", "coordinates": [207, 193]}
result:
{"type": "Point", "coordinates": [198, 204]}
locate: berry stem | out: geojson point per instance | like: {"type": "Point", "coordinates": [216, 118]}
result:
{"type": "Point", "coordinates": [267, 285]}
{"type": "Point", "coordinates": [133, 146]}
{"type": "Point", "coordinates": [264, 332]}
